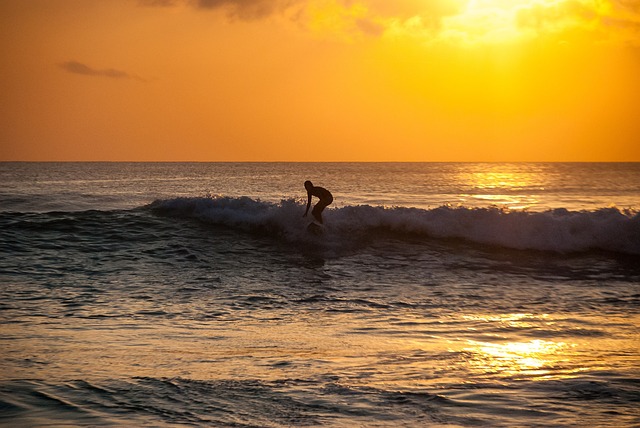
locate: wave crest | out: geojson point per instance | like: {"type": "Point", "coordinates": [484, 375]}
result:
{"type": "Point", "coordinates": [558, 230]}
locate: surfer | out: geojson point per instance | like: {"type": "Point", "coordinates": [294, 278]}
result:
{"type": "Point", "coordinates": [323, 194]}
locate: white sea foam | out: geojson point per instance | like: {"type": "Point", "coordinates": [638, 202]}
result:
{"type": "Point", "coordinates": [556, 230]}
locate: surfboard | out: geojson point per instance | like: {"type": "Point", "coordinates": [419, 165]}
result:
{"type": "Point", "coordinates": [315, 229]}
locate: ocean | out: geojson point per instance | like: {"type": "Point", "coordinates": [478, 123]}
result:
{"type": "Point", "coordinates": [438, 294]}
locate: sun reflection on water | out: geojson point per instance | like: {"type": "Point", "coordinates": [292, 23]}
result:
{"type": "Point", "coordinates": [515, 190]}
{"type": "Point", "coordinates": [519, 320]}
{"type": "Point", "coordinates": [536, 358]}
{"type": "Point", "coordinates": [496, 179]}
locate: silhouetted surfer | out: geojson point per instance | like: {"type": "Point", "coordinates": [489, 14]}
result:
{"type": "Point", "coordinates": [323, 194]}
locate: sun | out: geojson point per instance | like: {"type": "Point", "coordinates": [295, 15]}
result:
{"type": "Point", "coordinates": [495, 21]}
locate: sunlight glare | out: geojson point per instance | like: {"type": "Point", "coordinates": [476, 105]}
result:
{"type": "Point", "coordinates": [537, 357]}
{"type": "Point", "coordinates": [514, 190]}
{"type": "Point", "coordinates": [492, 21]}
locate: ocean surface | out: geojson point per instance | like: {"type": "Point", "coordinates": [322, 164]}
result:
{"type": "Point", "coordinates": [439, 295]}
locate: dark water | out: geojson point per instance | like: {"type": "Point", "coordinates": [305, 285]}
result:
{"type": "Point", "coordinates": [129, 300]}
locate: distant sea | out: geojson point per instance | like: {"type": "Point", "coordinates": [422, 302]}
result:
{"type": "Point", "coordinates": [439, 294]}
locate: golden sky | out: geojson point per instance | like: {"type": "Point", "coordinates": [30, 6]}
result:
{"type": "Point", "coordinates": [320, 80]}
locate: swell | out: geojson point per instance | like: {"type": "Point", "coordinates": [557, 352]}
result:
{"type": "Point", "coordinates": [559, 230]}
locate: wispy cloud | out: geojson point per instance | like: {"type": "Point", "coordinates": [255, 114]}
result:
{"type": "Point", "coordinates": [613, 21]}
{"type": "Point", "coordinates": [160, 3]}
{"type": "Point", "coordinates": [76, 67]}
{"type": "Point", "coordinates": [240, 9]}
{"type": "Point", "coordinates": [244, 9]}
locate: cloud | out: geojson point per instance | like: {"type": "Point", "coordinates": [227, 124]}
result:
{"type": "Point", "coordinates": [158, 3]}
{"type": "Point", "coordinates": [243, 9]}
{"type": "Point", "coordinates": [615, 21]}
{"type": "Point", "coordinates": [261, 6]}
{"type": "Point", "coordinates": [406, 9]}
{"type": "Point", "coordinates": [440, 20]}
{"type": "Point", "coordinates": [369, 27]}
{"type": "Point", "coordinates": [366, 17]}
{"type": "Point", "coordinates": [558, 15]}
{"type": "Point", "coordinates": [76, 67]}
{"type": "Point", "coordinates": [239, 9]}
{"type": "Point", "coordinates": [632, 5]}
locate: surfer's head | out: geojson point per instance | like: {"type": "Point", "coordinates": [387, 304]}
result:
{"type": "Point", "coordinates": [308, 185]}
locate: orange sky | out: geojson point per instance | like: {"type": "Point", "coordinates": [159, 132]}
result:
{"type": "Point", "coordinates": [320, 80]}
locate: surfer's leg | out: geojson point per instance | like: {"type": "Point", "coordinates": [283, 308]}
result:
{"type": "Point", "coordinates": [319, 207]}
{"type": "Point", "coordinates": [317, 211]}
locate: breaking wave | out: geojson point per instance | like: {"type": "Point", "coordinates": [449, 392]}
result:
{"type": "Point", "coordinates": [558, 230]}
